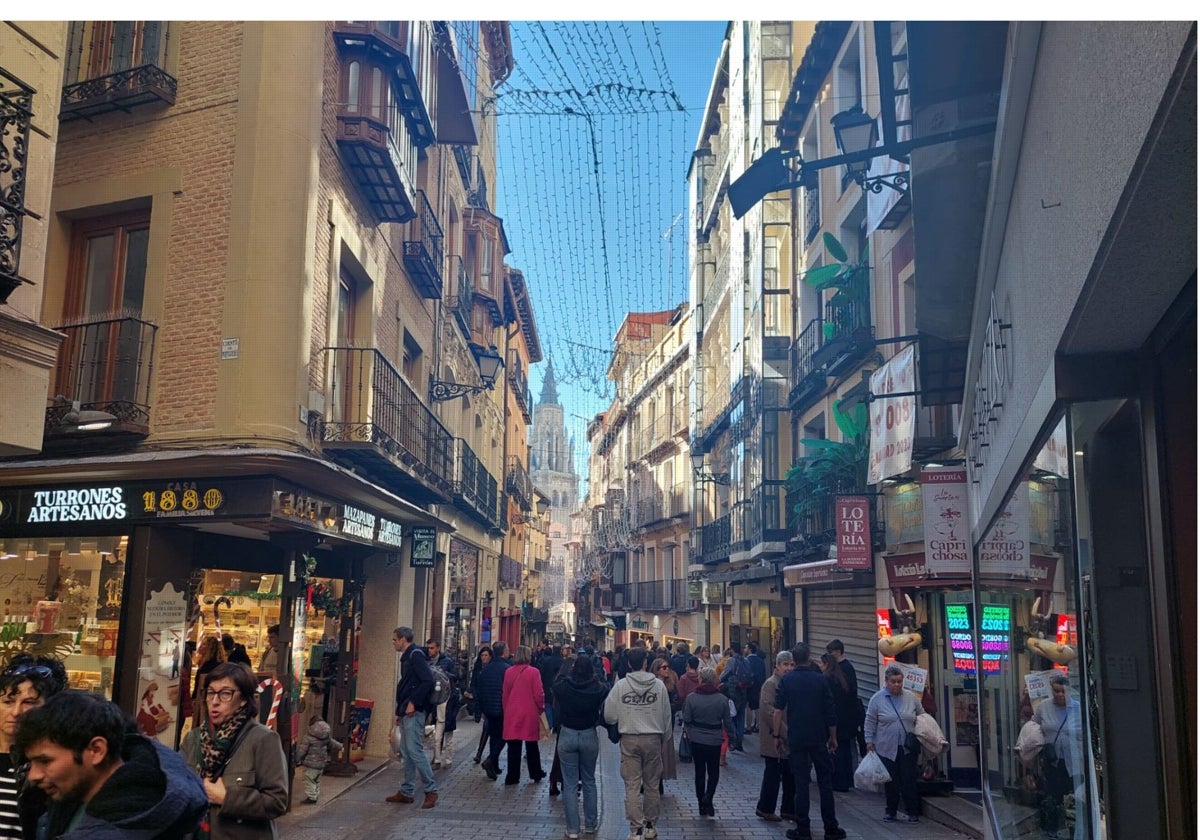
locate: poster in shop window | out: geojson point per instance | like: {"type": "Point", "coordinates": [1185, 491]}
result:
{"type": "Point", "coordinates": [165, 622]}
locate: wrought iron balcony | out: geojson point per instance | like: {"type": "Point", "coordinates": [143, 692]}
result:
{"type": "Point", "coordinates": [510, 572]}
{"type": "Point", "coordinates": [848, 334]}
{"type": "Point", "coordinates": [714, 540]}
{"type": "Point", "coordinates": [423, 250]}
{"type": "Point", "coordinates": [812, 210]}
{"type": "Point", "coordinates": [475, 489]}
{"type": "Point", "coordinates": [16, 115]}
{"type": "Point", "coordinates": [520, 386]}
{"type": "Point", "coordinates": [518, 484]}
{"type": "Point", "coordinates": [115, 85]}
{"type": "Point", "coordinates": [807, 375]}
{"type": "Point", "coordinates": [105, 365]}
{"type": "Point", "coordinates": [659, 595]}
{"type": "Point", "coordinates": [378, 424]}
{"type": "Point", "coordinates": [461, 303]}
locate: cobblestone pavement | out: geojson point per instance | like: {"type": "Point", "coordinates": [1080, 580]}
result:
{"type": "Point", "coordinates": [470, 805]}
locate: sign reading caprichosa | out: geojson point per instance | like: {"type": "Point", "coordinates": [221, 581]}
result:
{"type": "Point", "coordinates": [944, 500]}
{"type": "Point", "coordinates": [90, 504]}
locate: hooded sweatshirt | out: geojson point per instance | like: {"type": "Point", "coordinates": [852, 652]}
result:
{"type": "Point", "coordinates": [152, 795]}
{"type": "Point", "coordinates": [313, 752]}
{"type": "Point", "coordinates": [638, 705]}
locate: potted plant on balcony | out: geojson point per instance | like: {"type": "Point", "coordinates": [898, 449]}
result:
{"type": "Point", "coordinates": [849, 303]}
{"type": "Point", "coordinates": [832, 467]}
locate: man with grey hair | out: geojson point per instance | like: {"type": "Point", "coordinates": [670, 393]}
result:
{"type": "Point", "coordinates": [774, 752]}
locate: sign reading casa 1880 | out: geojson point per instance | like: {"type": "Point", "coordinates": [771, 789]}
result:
{"type": "Point", "coordinates": [108, 504]}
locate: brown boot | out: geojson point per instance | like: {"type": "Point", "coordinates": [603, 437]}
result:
{"type": "Point", "coordinates": [430, 800]}
{"type": "Point", "coordinates": [401, 797]}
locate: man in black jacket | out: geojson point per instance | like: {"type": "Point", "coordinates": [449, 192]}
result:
{"type": "Point", "coordinates": [805, 696]}
{"type": "Point", "coordinates": [549, 667]}
{"type": "Point", "coordinates": [412, 702]}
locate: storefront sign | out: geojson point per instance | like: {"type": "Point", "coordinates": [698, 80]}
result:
{"type": "Point", "coordinates": [902, 514]}
{"type": "Point", "coordinates": [358, 523]}
{"type": "Point", "coordinates": [1037, 683]}
{"type": "Point", "coordinates": [423, 547]}
{"type": "Point", "coordinates": [995, 637]}
{"type": "Point", "coordinates": [883, 618]}
{"type": "Point", "coordinates": [1004, 551]}
{"type": "Point", "coordinates": [853, 518]}
{"type": "Point", "coordinates": [893, 418]}
{"type": "Point", "coordinates": [390, 533]}
{"type": "Point", "coordinates": [944, 501]}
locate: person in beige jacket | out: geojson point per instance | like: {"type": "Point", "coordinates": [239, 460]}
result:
{"type": "Point", "coordinates": [775, 752]}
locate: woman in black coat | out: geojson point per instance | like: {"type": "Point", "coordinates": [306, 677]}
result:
{"type": "Point", "coordinates": [482, 658]}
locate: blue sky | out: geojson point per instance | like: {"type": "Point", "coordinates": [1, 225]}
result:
{"type": "Point", "coordinates": [596, 128]}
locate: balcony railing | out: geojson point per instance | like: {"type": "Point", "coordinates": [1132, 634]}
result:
{"type": "Point", "coordinates": [460, 303]}
{"type": "Point", "coordinates": [423, 250]}
{"type": "Point", "coordinates": [518, 484]}
{"type": "Point", "coordinates": [475, 487]}
{"type": "Point", "coordinates": [812, 210]}
{"type": "Point", "coordinates": [510, 572]}
{"type": "Point", "coordinates": [714, 540]}
{"type": "Point", "coordinates": [132, 74]}
{"type": "Point", "coordinates": [848, 334]}
{"type": "Point", "coordinates": [379, 424]}
{"type": "Point", "coordinates": [106, 365]}
{"type": "Point", "coordinates": [520, 386]}
{"type": "Point", "coordinates": [808, 377]}
{"type": "Point", "coordinates": [16, 115]}
{"type": "Point", "coordinates": [659, 595]}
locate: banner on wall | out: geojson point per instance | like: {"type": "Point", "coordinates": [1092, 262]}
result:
{"type": "Point", "coordinates": [944, 505]}
{"type": "Point", "coordinates": [893, 418]}
{"type": "Point", "coordinates": [853, 518]}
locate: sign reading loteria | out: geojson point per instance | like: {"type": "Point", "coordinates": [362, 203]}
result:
{"type": "Point", "coordinates": [853, 517]}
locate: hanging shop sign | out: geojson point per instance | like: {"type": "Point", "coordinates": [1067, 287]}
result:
{"type": "Point", "coordinates": [944, 504]}
{"type": "Point", "coordinates": [423, 548]}
{"type": "Point", "coordinates": [902, 518]}
{"type": "Point", "coordinates": [314, 512]}
{"type": "Point", "coordinates": [853, 518]}
{"type": "Point", "coordinates": [893, 418]}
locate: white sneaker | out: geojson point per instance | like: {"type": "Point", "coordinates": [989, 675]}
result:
{"type": "Point", "coordinates": [572, 835]}
{"type": "Point", "coordinates": [649, 832]}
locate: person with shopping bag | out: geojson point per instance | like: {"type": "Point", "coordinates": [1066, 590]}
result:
{"type": "Point", "coordinates": [890, 731]}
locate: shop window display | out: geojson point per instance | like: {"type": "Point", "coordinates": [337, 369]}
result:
{"type": "Point", "coordinates": [62, 598]}
{"type": "Point", "coordinates": [1024, 634]}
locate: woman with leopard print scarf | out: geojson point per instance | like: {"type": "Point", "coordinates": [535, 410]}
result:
{"type": "Point", "coordinates": [240, 761]}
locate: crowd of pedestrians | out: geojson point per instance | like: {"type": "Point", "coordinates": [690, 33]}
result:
{"type": "Point", "coordinates": [72, 765]}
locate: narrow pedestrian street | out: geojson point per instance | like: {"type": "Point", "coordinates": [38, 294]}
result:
{"type": "Point", "coordinates": [469, 804]}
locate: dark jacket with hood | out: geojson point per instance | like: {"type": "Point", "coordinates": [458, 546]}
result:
{"type": "Point", "coordinates": [490, 693]}
{"type": "Point", "coordinates": [579, 704]}
{"type": "Point", "coordinates": [152, 795]}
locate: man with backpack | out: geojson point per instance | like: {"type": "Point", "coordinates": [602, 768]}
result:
{"type": "Point", "coordinates": [736, 680]}
{"type": "Point", "coordinates": [445, 676]}
{"type": "Point", "coordinates": [412, 703]}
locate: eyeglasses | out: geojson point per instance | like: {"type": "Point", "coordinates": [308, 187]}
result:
{"type": "Point", "coordinates": [663, 667]}
{"type": "Point", "coordinates": [33, 670]}
{"type": "Point", "coordinates": [224, 695]}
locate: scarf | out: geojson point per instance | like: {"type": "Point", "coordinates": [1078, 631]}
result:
{"type": "Point", "coordinates": [217, 744]}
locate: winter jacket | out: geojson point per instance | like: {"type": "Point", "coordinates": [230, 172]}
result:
{"type": "Point", "coordinates": [706, 715]}
{"type": "Point", "coordinates": [805, 697]}
{"type": "Point", "coordinates": [489, 693]}
{"type": "Point", "coordinates": [318, 746]}
{"type": "Point", "coordinates": [579, 704]}
{"type": "Point", "coordinates": [758, 669]}
{"type": "Point", "coordinates": [152, 795]}
{"type": "Point", "coordinates": [688, 683]}
{"type": "Point", "coordinates": [766, 731]}
{"type": "Point", "coordinates": [679, 663]}
{"type": "Point", "coordinates": [256, 785]}
{"type": "Point", "coordinates": [549, 665]}
{"type": "Point", "coordinates": [638, 705]}
{"type": "Point", "coordinates": [416, 681]}
{"type": "Point", "coordinates": [523, 700]}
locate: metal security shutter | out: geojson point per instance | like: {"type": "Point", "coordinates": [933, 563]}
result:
{"type": "Point", "coordinates": [847, 614]}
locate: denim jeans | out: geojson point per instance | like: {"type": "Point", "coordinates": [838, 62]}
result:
{"type": "Point", "coordinates": [578, 750]}
{"type": "Point", "coordinates": [412, 750]}
{"type": "Point", "coordinates": [549, 710]}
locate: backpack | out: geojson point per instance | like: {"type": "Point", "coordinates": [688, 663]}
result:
{"type": "Point", "coordinates": [442, 686]}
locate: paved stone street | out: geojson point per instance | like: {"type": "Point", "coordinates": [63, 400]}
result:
{"type": "Point", "coordinates": [470, 805]}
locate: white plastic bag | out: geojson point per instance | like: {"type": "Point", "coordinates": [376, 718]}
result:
{"type": "Point", "coordinates": [395, 738]}
{"type": "Point", "coordinates": [930, 735]}
{"type": "Point", "coordinates": [1030, 742]}
{"type": "Point", "coordinates": [871, 775]}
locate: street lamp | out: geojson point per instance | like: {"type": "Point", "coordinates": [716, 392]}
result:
{"type": "Point", "coordinates": [701, 475]}
{"type": "Point", "coordinates": [855, 133]}
{"type": "Point", "coordinates": [489, 362]}
{"type": "Point", "coordinates": [542, 506]}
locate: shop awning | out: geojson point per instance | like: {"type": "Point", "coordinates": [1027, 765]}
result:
{"type": "Point", "coordinates": [824, 572]}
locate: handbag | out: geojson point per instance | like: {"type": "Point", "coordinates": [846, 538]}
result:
{"type": "Point", "coordinates": [912, 744]}
{"type": "Point", "coordinates": [544, 725]}
{"type": "Point", "coordinates": [685, 748]}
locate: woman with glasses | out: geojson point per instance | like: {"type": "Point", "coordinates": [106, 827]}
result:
{"type": "Point", "coordinates": [239, 760]}
{"type": "Point", "coordinates": [25, 684]}
{"type": "Point", "coordinates": [661, 668]}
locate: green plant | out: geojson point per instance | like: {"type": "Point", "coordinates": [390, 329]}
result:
{"type": "Point", "coordinates": [832, 466]}
{"type": "Point", "coordinates": [850, 279]}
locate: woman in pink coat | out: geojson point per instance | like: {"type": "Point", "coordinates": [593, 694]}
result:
{"type": "Point", "coordinates": [523, 701]}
